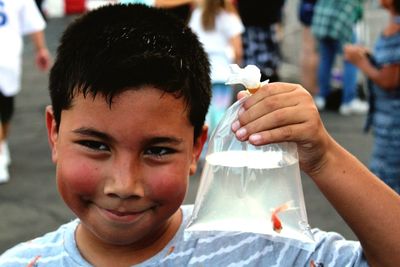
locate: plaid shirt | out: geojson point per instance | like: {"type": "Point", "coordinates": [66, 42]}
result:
{"type": "Point", "coordinates": [336, 18]}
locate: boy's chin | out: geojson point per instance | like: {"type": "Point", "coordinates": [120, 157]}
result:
{"type": "Point", "coordinates": [137, 237]}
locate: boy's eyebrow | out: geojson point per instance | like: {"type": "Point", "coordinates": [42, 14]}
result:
{"type": "Point", "coordinates": [93, 133]}
{"type": "Point", "coordinates": [152, 140]}
{"type": "Point", "coordinates": [166, 139]}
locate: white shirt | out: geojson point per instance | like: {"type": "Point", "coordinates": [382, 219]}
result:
{"type": "Point", "coordinates": [59, 248]}
{"type": "Point", "coordinates": [17, 18]}
{"type": "Point", "coordinates": [216, 42]}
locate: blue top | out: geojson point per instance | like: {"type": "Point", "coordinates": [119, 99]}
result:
{"type": "Point", "coordinates": [226, 249]}
{"type": "Point", "coordinates": [384, 116]}
{"type": "Point", "coordinates": [387, 51]}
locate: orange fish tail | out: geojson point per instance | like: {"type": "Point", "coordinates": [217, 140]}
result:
{"type": "Point", "coordinates": [33, 262]}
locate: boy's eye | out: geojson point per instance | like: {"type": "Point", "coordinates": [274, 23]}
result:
{"type": "Point", "coordinates": [158, 151]}
{"type": "Point", "coordinates": [94, 145]}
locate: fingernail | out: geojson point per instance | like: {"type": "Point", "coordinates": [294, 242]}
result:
{"type": "Point", "coordinates": [255, 138]}
{"type": "Point", "coordinates": [235, 126]}
{"type": "Point", "coordinates": [241, 110]}
{"type": "Point", "coordinates": [241, 133]}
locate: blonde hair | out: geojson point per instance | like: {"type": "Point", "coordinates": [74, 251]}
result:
{"type": "Point", "coordinates": [211, 8]}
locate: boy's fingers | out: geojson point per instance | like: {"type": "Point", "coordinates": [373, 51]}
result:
{"type": "Point", "coordinates": [277, 119]}
{"type": "Point", "coordinates": [268, 105]}
{"type": "Point", "coordinates": [274, 112]}
{"type": "Point", "coordinates": [281, 134]}
{"type": "Point", "coordinates": [242, 94]}
{"type": "Point", "coordinates": [270, 90]}
{"type": "Point", "coordinates": [276, 96]}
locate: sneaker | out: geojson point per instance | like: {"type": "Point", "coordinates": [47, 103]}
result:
{"type": "Point", "coordinates": [320, 102]}
{"type": "Point", "coordinates": [356, 106]}
{"type": "Point", "coordinates": [5, 153]}
{"type": "Point", "coordinates": [4, 175]}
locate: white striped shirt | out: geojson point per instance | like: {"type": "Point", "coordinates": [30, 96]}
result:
{"type": "Point", "coordinates": [59, 248]}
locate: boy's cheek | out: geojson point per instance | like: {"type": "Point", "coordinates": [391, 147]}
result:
{"type": "Point", "coordinates": [171, 186]}
{"type": "Point", "coordinates": [81, 178]}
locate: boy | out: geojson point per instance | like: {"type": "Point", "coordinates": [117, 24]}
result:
{"type": "Point", "coordinates": [130, 90]}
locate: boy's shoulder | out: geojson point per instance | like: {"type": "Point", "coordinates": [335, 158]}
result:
{"type": "Point", "coordinates": [51, 248]}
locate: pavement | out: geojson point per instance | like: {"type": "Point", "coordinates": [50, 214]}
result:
{"type": "Point", "coordinates": [30, 205]}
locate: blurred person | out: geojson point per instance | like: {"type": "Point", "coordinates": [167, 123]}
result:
{"type": "Point", "coordinates": [17, 18]}
{"type": "Point", "coordinates": [333, 26]}
{"type": "Point", "coordinates": [384, 74]}
{"type": "Point", "coordinates": [3, 160]}
{"type": "Point", "coordinates": [179, 8]}
{"type": "Point", "coordinates": [39, 4]}
{"type": "Point", "coordinates": [219, 29]}
{"type": "Point", "coordinates": [260, 43]}
{"type": "Point", "coordinates": [309, 56]}
{"type": "Point", "coordinates": [173, 3]}
{"type": "Point", "coordinates": [158, 3]}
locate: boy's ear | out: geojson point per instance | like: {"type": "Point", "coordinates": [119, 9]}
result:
{"type": "Point", "coordinates": [52, 133]}
{"type": "Point", "coordinates": [197, 148]}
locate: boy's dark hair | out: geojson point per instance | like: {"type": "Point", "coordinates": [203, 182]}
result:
{"type": "Point", "coordinates": [119, 46]}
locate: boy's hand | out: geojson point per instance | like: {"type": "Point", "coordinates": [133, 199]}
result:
{"type": "Point", "coordinates": [280, 112]}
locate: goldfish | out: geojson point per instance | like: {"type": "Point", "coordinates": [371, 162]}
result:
{"type": "Point", "coordinates": [33, 262]}
{"type": "Point", "coordinates": [276, 222]}
{"type": "Point", "coordinates": [171, 249]}
{"type": "Point", "coordinates": [313, 264]}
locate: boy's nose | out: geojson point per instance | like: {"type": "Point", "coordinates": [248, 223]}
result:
{"type": "Point", "coordinates": [125, 181]}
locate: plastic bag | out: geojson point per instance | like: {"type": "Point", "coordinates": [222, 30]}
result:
{"type": "Point", "coordinates": [246, 188]}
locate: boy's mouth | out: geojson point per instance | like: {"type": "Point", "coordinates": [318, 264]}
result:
{"type": "Point", "coordinates": [119, 213]}
{"type": "Point", "coordinates": [125, 217]}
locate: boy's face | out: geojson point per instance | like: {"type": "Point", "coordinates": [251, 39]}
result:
{"type": "Point", "coordinates": [123, 170]}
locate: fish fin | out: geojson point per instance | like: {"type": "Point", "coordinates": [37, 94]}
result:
{"type": "Point", "coordinates": [284, 207]}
